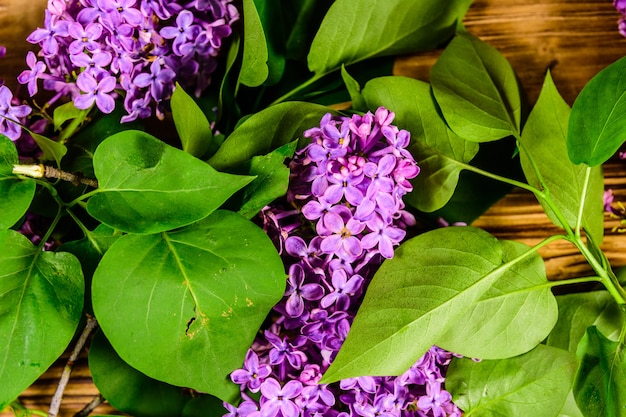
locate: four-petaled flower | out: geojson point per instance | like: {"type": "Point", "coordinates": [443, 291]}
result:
{"type": "Point", "coordinates": [9, 114]}
{"type": "Point", "coordinates": [252, 374]}
{"type": "Point", "coordinates": [279, 399]}
{"type": "Point", "coordinates": [95, 91]}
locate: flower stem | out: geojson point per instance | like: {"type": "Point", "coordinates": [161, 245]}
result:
{"type": "Point", "coordinates": [55, 404]}
{"type": "Point", "coordinates": [299, 88]}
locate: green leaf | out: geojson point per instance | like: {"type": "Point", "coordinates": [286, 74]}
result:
{"type": "Point", "coordinates": [448, 270]}
{"type": "Point", "coordinates": [570, 408]}
{"type": "Point", "coordinates": [203, 405]}
{"type": "Point", "coordinates": [272, 180]}
{"type": "Point", "coordinates": [600, 385]}
{"type": "Point", "coordinates": [191, 124]}
{"type": "Point", "coordinates": [598, 120]}
{"type": "Point", "coordinates": [354, 89]}
{"type": "Point", "coordinates": [496, 326]}
{"type": "Point", "coordinates": [355, 30]}
{"type": "Point", "coordinates": [267, 130]}
{"type": "Point", "coordinates": [476, 88]}
{"type": "Point", "coordinates": [544, 148]}
{"type": "Point", "coordinates": [127, 389]}
{"type": "Point", "coordinates": [534, 384]}
{"type": "Point", "coordinates": [147, 186]}
{"type": "Point", "coordinates": [16, 193]}
{"type": "Point", "coordinates": [270, 12]}
{"type": "Point", "coordinates": [65, 112]}
{"type": "Point", "coordinates": [435, 147]}
{"type": "Point", "coordinates": [579, 311]}
{"type": "Point", "coordinates": [51, 150]}
{"type": "Point", "coordinates": [254, 70]}
{"type": "Point", "coordinates": [306, 20]}
{"type": "Point", "coordinates": [41, 301]}
{"type": "Point", "coordinates": [184, 306]}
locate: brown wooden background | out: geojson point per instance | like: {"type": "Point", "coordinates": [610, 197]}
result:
{"type": "Point", "coordinates": [574, 38]}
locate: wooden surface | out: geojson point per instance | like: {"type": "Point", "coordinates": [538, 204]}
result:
{"type": "Point", "coordinates": [575, 39]}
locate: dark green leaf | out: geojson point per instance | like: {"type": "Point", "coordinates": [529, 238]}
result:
{"type": "Point", "coordinates": [598, 120]}
{"type": "Point", "coordinates": [254, 70]}
{"type": "Point", "coordinates": [267, 130]}
{"type": "Point", "coordinates": [127, 389]}
{"type": "Point", "coordinates": [307, 17]}
{"type": "Point", "coordinates": [534, 384]}
{"type": "Point", "coordinates": [497, 325]}
{"type": "Point", "coordinates": [147, 186]}
{"type": "Point", "coordinates": [204, 405]}
{"type": "Point", "coordinates": [272, 180]}
{"type": "Point", "coordinates": [191, 124]}
{"type": "Point", "coordinates": [192, 299]}
{"type": "Point", "coordinates": [435, 147]}
{"type": "Point", "coordinates": [355, 30]}
{"type": "Point", "coordinates": [579, 311]}
{"type": "Point", "coordinates": [270, 12]}
{"type": "Point", "coordinates": [477, 91]}
{"type": "Point", "coordinates": [16, 194]}
{"type": "Point", "coordinates": [41, 301]}
{"type": "Point", "coordinates": [600, 385]}
{"type": "Point", "coordinates": [448, 270]}
{"type": "Point", "coordinates": [544, 149]}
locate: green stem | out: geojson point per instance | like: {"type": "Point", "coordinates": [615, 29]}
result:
{"type": "Point", "coordinates": [581, 206]}
{"type": "Point", "coordinates": [45, 238]}
{"type": "Point", "coordinates": [85, 196]}
{"type": "Point", "coordinates": [73, 126]}
{"type": "Point", "coordinates": [299, 88]}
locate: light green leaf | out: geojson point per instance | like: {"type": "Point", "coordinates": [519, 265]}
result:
{"type": "Point", "coordinates": [147, 186]}
{"type": "Point", "coordinates": [355, 30]}
{"type": "Point", "coordinates": [184, 306]}
{"type": "Point", "coordinates": [267, 130]}
{"type": "Point", "coordinates": [254, 70]}
{"type": "Point", "coordinates": [579, 311]}
{"type": "Point", "coordinates": [435, 147]}
{"type": "Point", "coordinates": [272, 180]}
{"type": "Point", "coordinates": [600, 385]}
{"type": "Point", "coordinates": [16, 194]}
{"type": "Point", "coordinates": [570, 408]}
{"type": "Point", "coordinates": [65, 112]}
{"type": "Point", "coordinates": [191, 124]}
{"type": "Point", "coordinates": [544, 148]}
{"type": "Point", "coordinates": [497, 325]}
{"type": "Point", "coordinates": [448, 271]}
{"type": "Point", "coordinates": [354, 89]}
{"type": "Point", "coordinates": [534, 384]}
{"type": "Point", "coordinates": [51, 150]}
{"type": "Point", "coordinates": [476, 88]}
{"type": "Point", "coordinates": [41, 301]}
{"type": "Point", "coordinates": [127, 389]}
{"type": "Point", "coordinates": [598, 120]}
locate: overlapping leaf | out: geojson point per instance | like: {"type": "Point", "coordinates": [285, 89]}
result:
{"type": "Point", "coordinates": [147, 186]}
{"type": "Point", "coordinates": [16, 193]}
{"type": "Point", "coordinates": [436, 281]}
{"type": "Point", "coordinates": [41, 301]}
{"type": "Point", "coordinates": [537, 384]}
{"type": "Point", "coordinates": [476, 88]}
{"type": "Point", "coordinates": [183, 307]}
{"type": "Point", "coordinates": [598, 120]}
{"type": "Point", "coordinates": [254, 70]}
{"type": "Point", "coordinates": [267, 130]}
{"type": "Point", "coordinates": [545, 163]}
{"type": "Point", "coordinates": [354, 30]}
{"type": "Point", "coordinates": [435, 147]}
{"type": "Point", "coordinates": [194, 129]}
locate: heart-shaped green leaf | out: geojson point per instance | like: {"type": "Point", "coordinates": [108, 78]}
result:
{"type": "Point", "coordinates": [191, 124]}
{"type": "Point", "coordinates": [534, 384]}
{"type": "Point", "coordinates": [435, 147]}
{"type": "Point", "coordinates": [476, 88]}
{"type": "Point", "coordinates": [598, 120]}
{"type": "Point", "coordinates": [147, 186]}
{"type": "Point", "coordinates": [41, 301]}
{"type": "Point", "coordinates": [354, 30]}
{"type": "Point", "coordinates": [184, 306]}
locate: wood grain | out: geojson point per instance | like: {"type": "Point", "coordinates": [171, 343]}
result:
{"type": "Point", "coordinates": [574, 38]}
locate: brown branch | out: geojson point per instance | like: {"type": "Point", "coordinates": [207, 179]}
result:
{"type": "Point", "coordinates": [76, 179]}
{"type": "Point", "coordinates": [97, 400]}
{"type": "Point", "coordinates": [55, 404]}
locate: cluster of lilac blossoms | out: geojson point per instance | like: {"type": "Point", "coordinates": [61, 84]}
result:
{"type": "Point", "coordinates": [343, 215]}
{"type": "Point", "coordinates": [91, 50]}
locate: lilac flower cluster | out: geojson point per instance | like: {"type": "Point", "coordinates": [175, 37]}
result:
{"type": "Point", "coordinates": [93, 49]}
{"type": "Point", "coordinates": [620, 5]}
{"type": "Point", "coordinates": [344, 214]}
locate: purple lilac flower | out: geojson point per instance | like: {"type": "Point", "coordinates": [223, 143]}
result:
{"type": "Point", "coordinates": [10, 113]}
{"type": "Point", "coordinates": [145, 46]}
{"type": "Point", "coordinates": [347, 188]}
